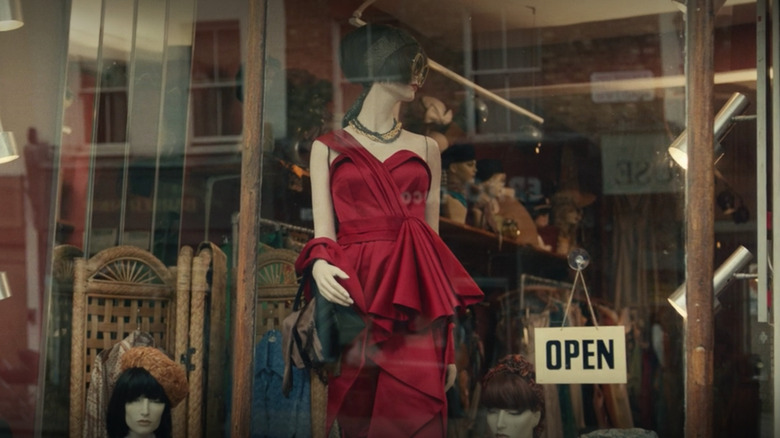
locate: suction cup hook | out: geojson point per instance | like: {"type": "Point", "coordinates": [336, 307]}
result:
{"type": "Point", "coordinates": [579, 259]}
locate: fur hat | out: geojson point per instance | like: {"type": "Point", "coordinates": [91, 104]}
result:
{"type": "Point", "coordinates": [171, 376]}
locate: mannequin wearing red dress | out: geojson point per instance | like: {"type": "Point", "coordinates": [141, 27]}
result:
{"type": "Point", "coordinates": [375, 198]}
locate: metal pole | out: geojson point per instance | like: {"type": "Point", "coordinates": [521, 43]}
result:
{"type": "Point", "coordinates": [774, 127]}
{"type": "Point", "coordinates": [699, 213]}
{"type": "Point", "coordinates": [249, 225]}
{"type": "Point", "coordinates": [762, 81]}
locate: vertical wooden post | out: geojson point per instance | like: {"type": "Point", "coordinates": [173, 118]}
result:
{"type": "Point", "coordinates": [249, 224]}
{"type": "Point", "coordinates": [699, 214]}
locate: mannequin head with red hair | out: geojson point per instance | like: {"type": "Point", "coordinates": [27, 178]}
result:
{"type": "Point", "coordinates": [513, 399]}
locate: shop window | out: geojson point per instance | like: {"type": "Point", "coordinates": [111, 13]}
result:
{"type": "Point", "coordinates": [216, 109]}
{"type": "Point", "coordinates": [506, 62]}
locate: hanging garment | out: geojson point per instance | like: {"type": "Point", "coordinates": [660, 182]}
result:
{"type": "Point", "coordinates": [274, 415]}
{"type": "Point", "coordinates": [105, 371]}
{"type": "Point", "coordinates": [406, 282]}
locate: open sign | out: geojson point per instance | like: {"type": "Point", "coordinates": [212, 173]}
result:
{"type": "Point", "coordinates": [580, 354]}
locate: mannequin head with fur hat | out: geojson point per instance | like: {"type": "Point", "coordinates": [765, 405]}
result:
{"type": "Point", "coordinates": [150, 385]}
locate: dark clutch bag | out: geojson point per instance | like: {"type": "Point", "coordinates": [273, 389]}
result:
{"type": "Point", "coordinates": [336, 325]}
{"type": "Point", "coordinates": [315, 332]}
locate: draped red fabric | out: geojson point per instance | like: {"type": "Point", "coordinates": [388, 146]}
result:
{"type": "Point", "coordinates": [407, 282]}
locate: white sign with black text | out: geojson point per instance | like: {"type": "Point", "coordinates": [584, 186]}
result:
{"type": "Point", "coordinates": [580, 354]}
{"type": "Point", "coordinates": [636, 163]}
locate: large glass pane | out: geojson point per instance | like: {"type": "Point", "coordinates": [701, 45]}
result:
{"type": "Point", "coordinates": [574, 106]}
{"type": "Point", "coordinates": [552, 121]}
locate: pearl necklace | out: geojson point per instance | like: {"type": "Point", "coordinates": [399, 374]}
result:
{"type": "Point", "coordinates": [388, 137]}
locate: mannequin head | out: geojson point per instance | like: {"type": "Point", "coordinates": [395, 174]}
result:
{"type": "Point", "coordinates": [566, 212]}
{"type": "Point", "coordinates": [541, 213]}
{"type": "Point", "coordinates": [381, 53]}
{"type": "Point", "coordinates": [150, 385]}
{"type": "Point", "coordinates": [513, 399]}
{"type": "Point", "coordinates": [138, 406]}
{"type": "Point", "coordinates": [460, 164]}
{"type": "Point", "coordinates": [491, 177]}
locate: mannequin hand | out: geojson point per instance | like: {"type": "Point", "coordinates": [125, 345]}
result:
{"type": "Point", "coordinates": [452, 372]}
{"type": "Point", "coordinates": [325, 274]}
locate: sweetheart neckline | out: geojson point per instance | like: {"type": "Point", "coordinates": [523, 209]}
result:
{"type": "Point", "coordinates": [392, 156]}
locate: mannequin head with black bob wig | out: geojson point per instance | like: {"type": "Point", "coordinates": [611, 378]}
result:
{"type": "Point", "coordinates": [380, 53]}
{"type": "Point", "coordinates": [513, 399]}
{"type": "Point", "coordinates": [149, 387]}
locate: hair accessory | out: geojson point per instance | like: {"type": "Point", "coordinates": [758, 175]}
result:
{"type": "Point", "coordinates": [513, 364]}
{"type": "Point", "coordinates": [388, 137]}
{"type": "Point", "coordinates": [435, 111]}
{"type": "Point", "coordinates": [168, 373]}
{"type": "Point", "coordinates": [419, 69]}
{"type": "Point", "coordinates": [520, 366]}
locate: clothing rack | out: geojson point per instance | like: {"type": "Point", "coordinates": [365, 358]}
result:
{"type": "Point", "coordinates": [290, 227]}
{"type": "Point", "coordinates": [540, 284]}
{"type": "Point", "coordinates": [263, 221]}
{"type": "Point", "coordinates": [515, 310]}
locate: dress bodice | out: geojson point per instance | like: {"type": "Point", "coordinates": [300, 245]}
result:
{"type": "Point", "coordinates": [353, 199]}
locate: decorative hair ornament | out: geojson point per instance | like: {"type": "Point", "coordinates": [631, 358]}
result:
{"type": "Point", "coordinates": [388, 137]}
{"type": "Point", "coordinates": [419, 69]}
{"type": "Point", "coordinates": [171, 376]}
{"type": "Point", "coordinates": [512, 364]}
{"type": "Point", "coordinates": [435, 111]}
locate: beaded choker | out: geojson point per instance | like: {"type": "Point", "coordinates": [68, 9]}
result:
{"type": "Point", "coordinates": [388, 137]}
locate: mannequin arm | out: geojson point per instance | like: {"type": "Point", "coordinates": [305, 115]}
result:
{"type": "Point", "coordinates": [323, 273]}
{"type": "Point", "coordinates": [321, 200]}
{"type": "Point", "coordinates": [432, 204]}
{"type": "Point", "coordinates": [449, 357]}
{"type": "Point", "coordinates": [452, 373]}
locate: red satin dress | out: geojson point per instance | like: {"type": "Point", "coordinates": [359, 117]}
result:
{"type": "Point", "coordinates": [407, 283]}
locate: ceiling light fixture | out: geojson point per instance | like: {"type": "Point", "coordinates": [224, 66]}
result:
{"type": "Point", "coordinates": [10, 14]}
{"type": "Point", "coordinates": [720, 279]}
{"type": "Point", "coordinates": [8, 150]}
{"type": "Point", "coordinates": [724, 121]}
{"type": "Point", "coordinates": [5, 288]}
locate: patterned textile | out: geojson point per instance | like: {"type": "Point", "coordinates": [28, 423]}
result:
{"type": "Point", "coordinates": [103, 376]}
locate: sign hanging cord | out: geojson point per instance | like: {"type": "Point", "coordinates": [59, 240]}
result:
{"type": "Point", "coordinates": [579, 278]}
